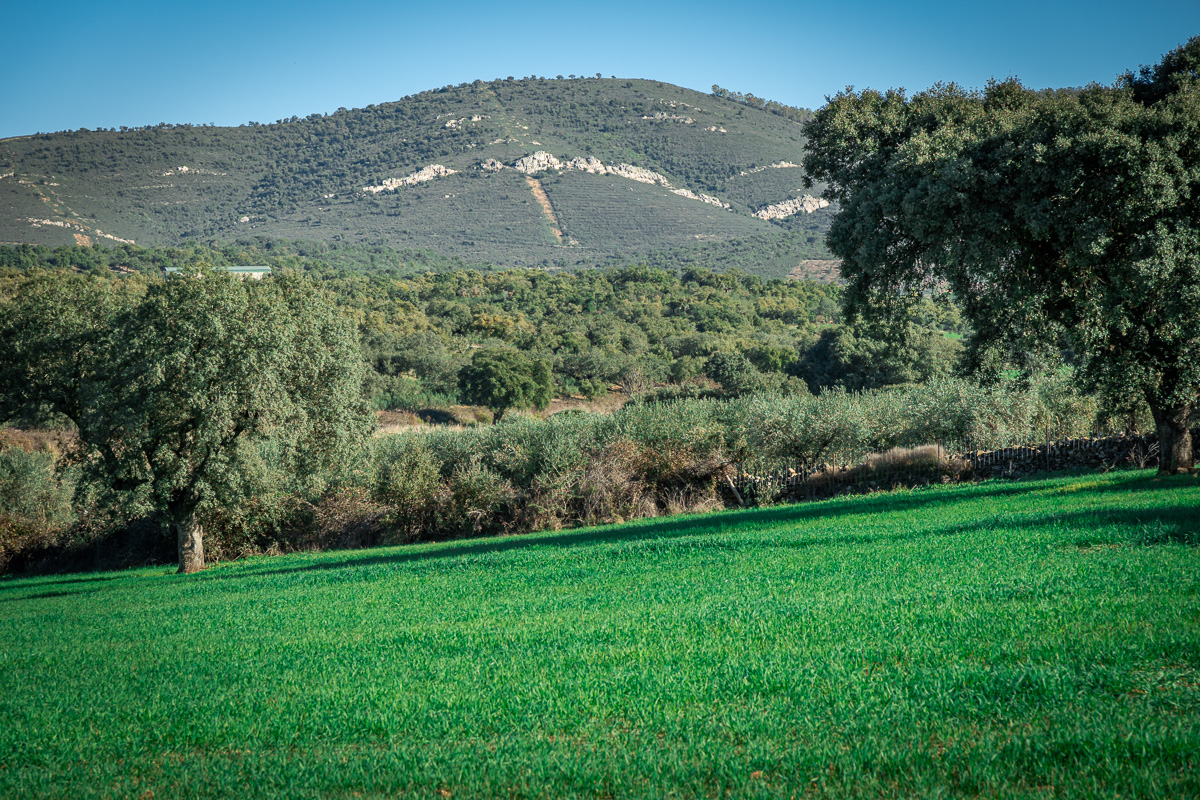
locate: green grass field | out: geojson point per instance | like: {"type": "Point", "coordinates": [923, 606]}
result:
{"type": "Point", "coordinates": [1032, 639]}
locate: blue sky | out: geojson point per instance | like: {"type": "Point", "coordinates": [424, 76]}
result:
{"type": "Point", "coordinates": [72, 64]}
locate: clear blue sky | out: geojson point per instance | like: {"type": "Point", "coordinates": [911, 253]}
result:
{"type": "Point", "coordinates": [72, 64]}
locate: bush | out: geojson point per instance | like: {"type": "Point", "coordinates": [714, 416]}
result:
{"type": "Point", "coordinates": [35, 502]}
{"type": "Point", "coordinates": [409, 485]}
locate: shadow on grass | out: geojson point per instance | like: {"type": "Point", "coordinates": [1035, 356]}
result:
{"type": "Point", "coordinates": [1176, 522]}
{"type": "Point", "coordinates": [32, 582]}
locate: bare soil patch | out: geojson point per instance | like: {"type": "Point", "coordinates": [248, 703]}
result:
{"type": "Point", "coordinates": [539, 194]}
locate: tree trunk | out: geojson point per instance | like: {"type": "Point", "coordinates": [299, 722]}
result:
{"type": "Point", "coordinates": [189, 535]}
{"type": "Point", "coordinates": [1175, 451]}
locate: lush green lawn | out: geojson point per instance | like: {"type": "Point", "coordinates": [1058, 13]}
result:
{"type": "Point", "coordinates": [1031, 639]}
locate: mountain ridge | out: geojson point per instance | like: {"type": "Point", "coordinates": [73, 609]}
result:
{"type": "Point", "coordinates": [620, 168]}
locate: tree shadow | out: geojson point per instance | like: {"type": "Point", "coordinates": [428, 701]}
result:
{"type": "Point", "coordinates": [33, 582]}
{"type": "Point", "coordinates": [1175, 520]}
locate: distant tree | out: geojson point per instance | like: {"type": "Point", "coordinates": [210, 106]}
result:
{"type": "Point", "coordinates": [201, 392]}
{"type": "Point", "coordinates": [857, 358]}
{"type": "Point", "coordinates": [1048, 214]}
{"type": "Point", "coordinates": [734, 372]}
{"type": "Point", "coordinates": [504, 379]}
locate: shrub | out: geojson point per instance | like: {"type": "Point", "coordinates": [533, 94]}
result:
{"type": "Point", "coordinates": [35, 502]}
{"type": "Point", "coordinates": [409, 485]}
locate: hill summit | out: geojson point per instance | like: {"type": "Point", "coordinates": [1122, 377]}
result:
{"type": "Point", "coordinates": [531, 172]}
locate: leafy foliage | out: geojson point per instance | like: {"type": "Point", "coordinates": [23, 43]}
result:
{"type": "Point", "coordinates": [1048, 214]}
{"type": "Point", "coordinates": [504, 379]}
{"type": "Point", "coordinates": [198, 394]}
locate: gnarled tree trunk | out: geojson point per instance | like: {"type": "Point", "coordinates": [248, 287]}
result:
{"type": "Point", "coordinates": [1175, 452]}
{"type": "Point", "coordinates": [189, 535]}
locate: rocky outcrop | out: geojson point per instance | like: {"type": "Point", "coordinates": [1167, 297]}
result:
{"type": "Point", "coordinates": [639, 174]}
{"type": "Point", "coordinates": [703, 198]}
{"type": "Point", "coordinates": [541, 161]}
{"type": "Point", "coordinates": [454, 123]}
{"type": "Point", "coordinates": [589, 164]}
{"type": "Point", "coordinates": [74, 226]}
{"type": "Point", "coordinates": [420, 176]}
{"type": "Point", "coordinates": [660, 115]}
{"type": "Point", "coordinates": [776, 165]}
{"type": "Point", "coordinates": [808, 204]}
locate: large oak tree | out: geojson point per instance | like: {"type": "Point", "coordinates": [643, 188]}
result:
{"type": "Point", "coordinates": [1069, 213]}
{"type": "Point", "coordinates": [195, 395]}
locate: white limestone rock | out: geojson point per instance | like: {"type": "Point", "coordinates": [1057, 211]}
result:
{"type": "Point", "coordinates": [420, 176]}
{"type": "Point", "coordinates": [541, 161]}
{"type": "Point", "coordinates": [806, 204]}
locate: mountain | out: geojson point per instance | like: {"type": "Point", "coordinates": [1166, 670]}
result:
{"type": "Point", "coordinates": [531, 172]}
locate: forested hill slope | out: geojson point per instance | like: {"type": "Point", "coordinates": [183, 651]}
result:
{"type": "Point", "coordinates": [514, 172]}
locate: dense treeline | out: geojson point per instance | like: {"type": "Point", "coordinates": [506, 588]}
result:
{"type": "Point", "coordinates": [719, 367]}
{"type": "Point", "coordinates": [632, 328]}
{"type": "Point", "coordinates": [628, 328]}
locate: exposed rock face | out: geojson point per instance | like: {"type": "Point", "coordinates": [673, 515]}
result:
{"type": "Point", "coordinates": [420, 176]}
{"type": "Point", "coordinates": [703, 198]}
{"type": "Point", "coordinates": [58, 223]}
{"type": "Point", "coordinates": [537, 162]}
{"type": "Point", "coordinates": [777, 165]}
{"type": "Point", "coordinates": [660, 115]}
{"type": "Point", "coordinates": [589, 164]}
{"type": "Point", "coordinates": [541, 161]}
{"type": "Point", "coordinates": [639, 174]}
{"type": "Point", "coordinates": [807, 204]}
{"type": "Point", "coordinates": [454, 123]}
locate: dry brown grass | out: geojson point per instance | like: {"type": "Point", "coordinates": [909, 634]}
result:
{"type": "Point", "coordinates": [902, 459]}
{"type": "Point", "coordinates": [390, 422]}
{"type": "Point", "coordinates": [817, 269]}
{"type": "Point", "coordinates": [57, 442]}
{"type": "Point", "coordinates": [601, 405]}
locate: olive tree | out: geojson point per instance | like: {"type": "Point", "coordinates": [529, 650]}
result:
{"type": "Point", "coordinates": [1047, 214]}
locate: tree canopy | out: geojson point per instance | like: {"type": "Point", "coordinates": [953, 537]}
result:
{"type": "Point", "coordinates": [1047, 213]}
{"type": "Point", "coordinates": [504, 379]}
{"type": "Point", "coordinates": [196, 395]}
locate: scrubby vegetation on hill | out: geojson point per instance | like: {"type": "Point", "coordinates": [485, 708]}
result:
{"type": "Point", "coordinates": [303, 179]}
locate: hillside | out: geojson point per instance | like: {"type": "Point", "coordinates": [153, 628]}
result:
{"type": "Point", "coordinates": [1024, 639]}
{"type": "Point", "coordinates": [531, 172]}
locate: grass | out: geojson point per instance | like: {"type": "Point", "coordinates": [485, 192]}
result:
{"type": "Point", "coordinates": [1031, 639]}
